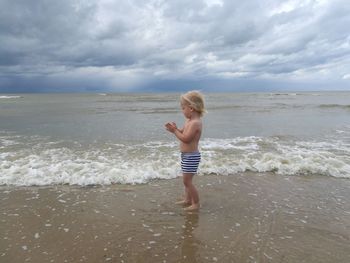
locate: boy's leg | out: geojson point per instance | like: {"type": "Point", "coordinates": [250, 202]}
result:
{"type": "Point", "coordinates": [192, 191]}
{"type": "Point", "coordinates": [187, 199]}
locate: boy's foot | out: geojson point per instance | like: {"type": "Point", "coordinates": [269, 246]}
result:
{"type": "Point", "coordinates": [193, 207]}
{"type": "Point", "coordinates": [183, 202]}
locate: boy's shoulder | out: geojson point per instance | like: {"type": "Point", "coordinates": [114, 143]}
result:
{"type": "Point", "coordinates": [195, 123]}
{"type": "Point", "coordinates": [197, 120]}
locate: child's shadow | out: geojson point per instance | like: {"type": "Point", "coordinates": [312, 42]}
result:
{"type": "Point", "coordinates": [190, 244]}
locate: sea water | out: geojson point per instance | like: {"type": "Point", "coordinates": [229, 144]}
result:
{"type": "Point", "coordinates": [88, 139]}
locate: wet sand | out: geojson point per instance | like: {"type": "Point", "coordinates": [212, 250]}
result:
{"type": "Point", "coordinates": [244, 218]}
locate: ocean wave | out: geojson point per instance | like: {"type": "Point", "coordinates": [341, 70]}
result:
{"type": "Point", "coordinates": [28, 161]}
{"type": "Point", "coordinates": [340, 106]}
{"type": "Point", "coordinates": [10, 97]}
{"type": "Point", "coordinates": [281, 157]}
{"type": "Point", "coordinates": [285, 94]}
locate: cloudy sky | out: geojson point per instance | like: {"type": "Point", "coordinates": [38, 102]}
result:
{"type": "Point", "coordinates": [159, 45]}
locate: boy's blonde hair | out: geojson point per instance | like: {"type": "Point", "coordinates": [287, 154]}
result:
{"type": "Point", "coordinates": [195, 99]}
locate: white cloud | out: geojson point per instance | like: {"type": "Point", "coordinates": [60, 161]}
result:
{"type": "Point", "coordinates": [214, 2]}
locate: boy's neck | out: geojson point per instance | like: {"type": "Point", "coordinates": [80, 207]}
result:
{"type": "Point", "coordinates": [194, 116]}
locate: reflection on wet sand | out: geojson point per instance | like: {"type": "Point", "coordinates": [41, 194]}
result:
{"type": "Point", "coordinates": [190, 244]}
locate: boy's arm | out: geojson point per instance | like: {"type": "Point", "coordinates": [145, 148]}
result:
{"type": "Point", "coordinates": [171, 126]}
{"type": "Point", "coordinates": [187, 136]}
{"type": "Point", "coordinates": [181, 130]}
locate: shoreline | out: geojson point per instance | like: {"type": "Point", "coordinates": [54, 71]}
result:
{"type": "Point", "coordinates": [246, 217]}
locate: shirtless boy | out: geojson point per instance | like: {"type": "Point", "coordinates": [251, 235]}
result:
{"type": "Point", "coordinates": [192, 104]}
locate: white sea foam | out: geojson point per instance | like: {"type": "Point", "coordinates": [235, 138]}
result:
{"type": "Point", "coordinates": [10, 97]}
{"type": "Point", "coordinates": [42, 162]}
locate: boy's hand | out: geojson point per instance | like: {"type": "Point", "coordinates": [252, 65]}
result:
{"type": "Point", "coordinates": [171, 127]}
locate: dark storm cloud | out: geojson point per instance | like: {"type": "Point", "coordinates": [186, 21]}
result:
{"type": "Point", "coordinates": [126, 45]}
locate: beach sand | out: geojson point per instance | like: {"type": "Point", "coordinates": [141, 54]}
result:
{"type": "Point", "coordinates": [246, 217]}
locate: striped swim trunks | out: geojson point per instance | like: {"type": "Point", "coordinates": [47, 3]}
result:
{"type": "Point", "coordinates": [190, 162]}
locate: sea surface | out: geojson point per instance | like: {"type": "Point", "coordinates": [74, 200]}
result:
{"type": "Point", "coordinates": [102, 139]}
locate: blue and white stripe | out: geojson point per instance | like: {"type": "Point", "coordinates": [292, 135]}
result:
{"type": "Point", "coordinates": [190, 162]}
